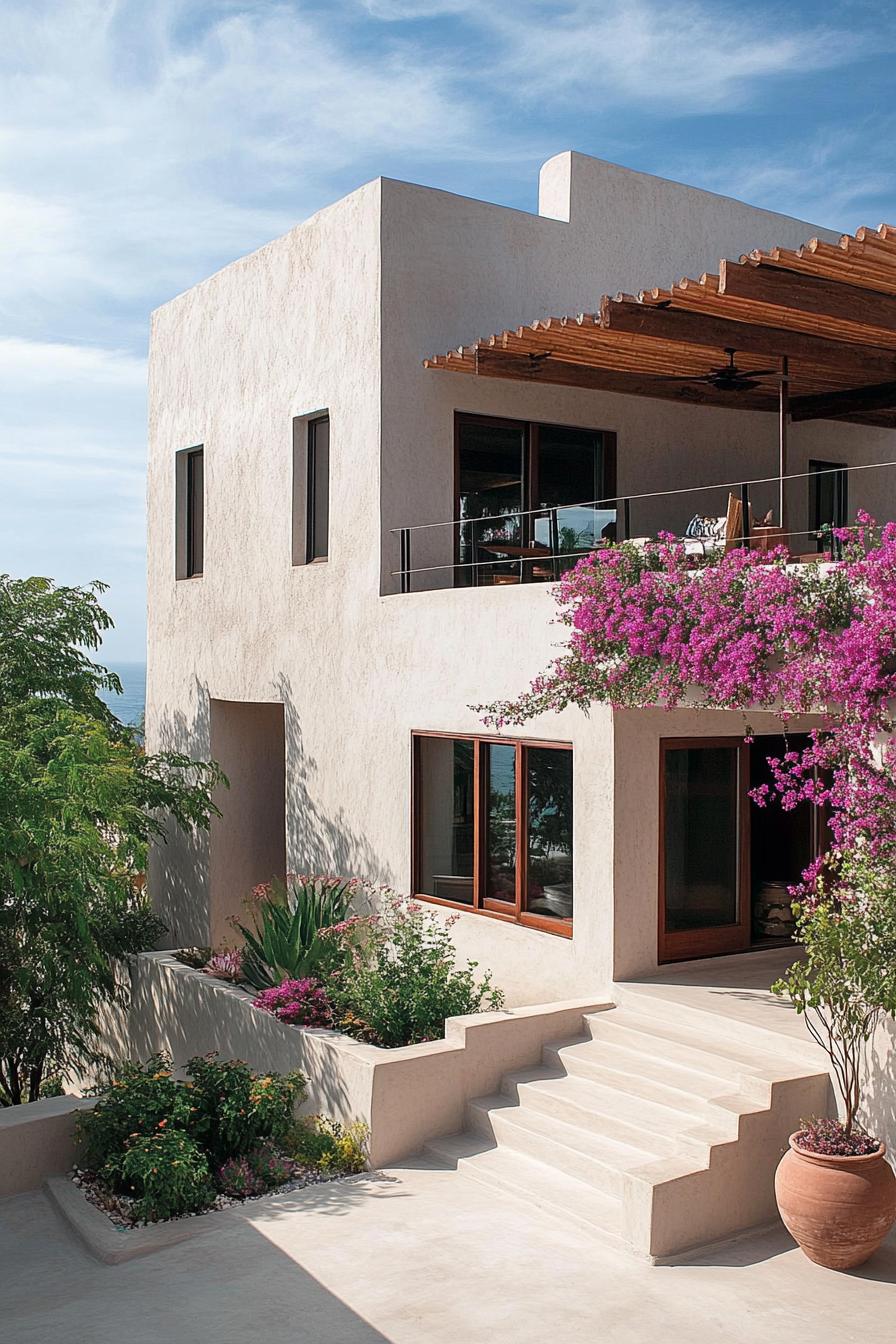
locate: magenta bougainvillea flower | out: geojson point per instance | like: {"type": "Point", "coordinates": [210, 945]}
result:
{"type": "Point", "coordinates": [748, 631]}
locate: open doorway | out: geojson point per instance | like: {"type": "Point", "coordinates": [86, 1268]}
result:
{"type": "Point", "coordinates": [725, 863]}
{"type": "Point", "coordinates": [248, 840]}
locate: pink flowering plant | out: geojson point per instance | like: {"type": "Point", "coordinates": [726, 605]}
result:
{"type": "Point", "coordinates": [398, 978]}
{"type": "Point", "coordinates": [751, 631]}
{"type": "Point", "coordinates": [301, 1003]}
{"type": "Point", "coordinates": [225, 965]}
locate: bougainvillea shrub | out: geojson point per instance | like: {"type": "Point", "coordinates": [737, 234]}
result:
{"type": "Point", "coordinates": [747, 631]}
{"type": "Point", "coordinates": [751, 631]}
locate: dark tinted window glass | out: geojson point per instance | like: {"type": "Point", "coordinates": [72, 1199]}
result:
{"type": "Point", "coordinates": [490, 486]}
{"type": "Point", "coordinates": [827, 495]}
{"type": "Point", "coordinates": [445, 818]}
{"type": "Point", "coordinates": [500, 876]}
{"type": "Point", "coordinates": [549, 839]}
{"type": "Point", "coordinates": [195, 514]}
{"type": "Point", "coordinates": [701, 837]}
{"type": "Point", "coordinates": [318, 489]}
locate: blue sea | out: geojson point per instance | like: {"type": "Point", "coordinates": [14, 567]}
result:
{"type": "Point", "coordinates": [130, 704]}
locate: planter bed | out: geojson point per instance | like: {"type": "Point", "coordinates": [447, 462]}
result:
{"type": "Point", "coordinates": [405, 1095]}
{"type": "Point", "coordinates": [119, 1209]}
{"type": "Point", "coordinates": [113, 1243]}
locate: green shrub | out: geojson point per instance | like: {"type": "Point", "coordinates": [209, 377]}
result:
{"type": "Point", "coordinates": [232, 1109]}
{"type": "Point", "coordinates": [139, 1097]}
{"type": "Point", "coordinates": [284, 942]}
{"type": "Point", "coordinates": [402, 979]}
{"type": "Point", "coordinates": [334, 1149]}
{"type": "Point", "coordinates": [166, 1172]}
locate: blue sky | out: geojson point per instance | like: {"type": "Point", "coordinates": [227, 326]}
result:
{"type": "Point", "coordinates": [145, 143]}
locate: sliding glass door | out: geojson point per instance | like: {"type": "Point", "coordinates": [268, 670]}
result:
{"type": "Point", "coordinates": [527, 498]}
{"type": "Point", "coordinates": [726, 866]}
{"type": "Point", "coordinates": [704, 834]}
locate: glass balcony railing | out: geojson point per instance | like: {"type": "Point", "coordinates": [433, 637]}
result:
{"type": "Point", "coordinates": [539, 545]}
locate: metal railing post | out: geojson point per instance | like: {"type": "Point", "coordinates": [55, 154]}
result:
{"type": "Point", "coordinates": [554, 525]}
{"type": "Point", "coordinates": [745, 514]}
{"type": "Point", "coordinates": [626, 519]}
{"type": "Point", "coordinates": [404, 560]}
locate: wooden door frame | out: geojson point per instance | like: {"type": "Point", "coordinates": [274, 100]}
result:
{"type": "Point", "coordinates": [688, 945]}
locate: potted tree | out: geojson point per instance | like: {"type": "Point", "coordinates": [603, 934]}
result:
{"type": "Point", "coordinates": [836, 1192]}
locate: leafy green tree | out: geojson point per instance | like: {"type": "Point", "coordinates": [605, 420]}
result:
{"type": "Point", "coordinates": [846, 982]}
{"type": "Point", "coordinates": [80, 802]}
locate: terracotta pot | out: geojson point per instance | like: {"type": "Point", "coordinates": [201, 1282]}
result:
{"type": "Point", "coordinates": [839, 1209]}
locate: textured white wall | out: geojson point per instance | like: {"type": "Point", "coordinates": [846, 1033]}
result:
{"type": "Point", "coordinates": [338, 315]}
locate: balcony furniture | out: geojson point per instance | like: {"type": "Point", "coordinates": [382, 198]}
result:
{"type": "Point", "coordinates": [765, 537]}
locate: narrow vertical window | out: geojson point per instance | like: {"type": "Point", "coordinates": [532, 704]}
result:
{"type": "Point", "coordinates": [318, 488]}
{"type": "Point", "coordinates": [189, 513]}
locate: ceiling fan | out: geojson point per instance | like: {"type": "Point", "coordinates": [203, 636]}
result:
{"type": "Point", "coordinates": [726, 378]}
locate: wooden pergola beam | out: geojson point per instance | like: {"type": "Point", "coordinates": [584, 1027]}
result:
{"type": "Point", "coordinates": [687, 327]}
{"type": "Point", "coordinates": [498, 363]}
{"type": "Point", "coordinates": [851, 401]}
{"type": "Point", "coordinates": [807, 294]}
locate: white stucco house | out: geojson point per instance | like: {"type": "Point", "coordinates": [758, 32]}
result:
{"type": "Point", "coordinates": [302, 456]}
{"type": "Point", "coordinates": [358, 497]}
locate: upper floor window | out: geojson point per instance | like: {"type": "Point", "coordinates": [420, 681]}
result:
{"type": "Point", "coordinates": [493, 827]}
{"type": "Point", "coordinates": [310, 490]}
{"type": "Point", "coordinates": [189, 513]}
{"type": "Point", "coordinates": [525, 495]}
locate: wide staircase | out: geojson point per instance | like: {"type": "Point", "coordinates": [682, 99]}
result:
{"type": "Point", "coordinates": [658, 1128]}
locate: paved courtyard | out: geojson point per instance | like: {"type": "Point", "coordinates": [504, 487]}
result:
{"type": "Point", "coordinates": [415, 1254]}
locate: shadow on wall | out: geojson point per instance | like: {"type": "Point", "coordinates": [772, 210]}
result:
{"type": "Point", "coordinates": [185, 1013]}
{"type": "Point", "coordinates": [318, 840]}
{"type": "Point", "coordinates": [178, 866]}
{"type": "Point", "coordinates": [878, 1113]}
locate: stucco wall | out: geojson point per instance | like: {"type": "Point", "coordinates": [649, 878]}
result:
{"type": "Point", "coordinates": [337, 316]}
{"type": "Point", "coordinates": [38, 1140]}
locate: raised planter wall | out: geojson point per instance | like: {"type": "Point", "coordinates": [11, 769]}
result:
{"type": "Point", "coordinates": [406, 1096]}
{"type": "Point", "coordinates": [36, 1141]}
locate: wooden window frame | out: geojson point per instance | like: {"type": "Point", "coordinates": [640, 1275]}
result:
{"type": "Point", "coordinates": [185, 513]}
{"type": "Point", "coordinates": [530, 463]}
{"type": "Point", "coordinates": [488, 907]}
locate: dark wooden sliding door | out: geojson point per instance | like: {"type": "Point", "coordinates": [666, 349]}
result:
{"type": "Point", "coordinates": [704, 906]}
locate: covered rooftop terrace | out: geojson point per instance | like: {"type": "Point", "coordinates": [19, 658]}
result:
{"type": "Point", "coordinates": [814, 328]}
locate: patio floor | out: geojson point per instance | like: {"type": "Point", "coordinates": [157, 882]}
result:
{"type": "Point", "coordinates": [416, 1254]}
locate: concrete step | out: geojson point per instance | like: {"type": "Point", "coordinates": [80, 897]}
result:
{"type": "Point", "coordinates": [599, 1159]}
{"type": "Point", "coordinates": [606, 1109]}
{"type": "Point", "coordinates": [743, 1067]}
{"type": "Point", "coordinates": [633, 1069]}
{"type": "Point", "coordinates": [760, 1028]}
{"type": "Point", "coordinates": [526, 1178]}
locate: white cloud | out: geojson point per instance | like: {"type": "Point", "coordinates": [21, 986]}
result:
{"type": "Point", "coordinates": [689, 57]}
{"type": "Point", "coordinates": [143, 145]}
{"type": "Point", "coordinates": [835, 180]}
{"type": "Point", "coordinates": [72, 464]}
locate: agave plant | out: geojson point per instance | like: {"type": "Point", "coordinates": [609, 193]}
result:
{"type": "Point", "coordinates": [285, 943]}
